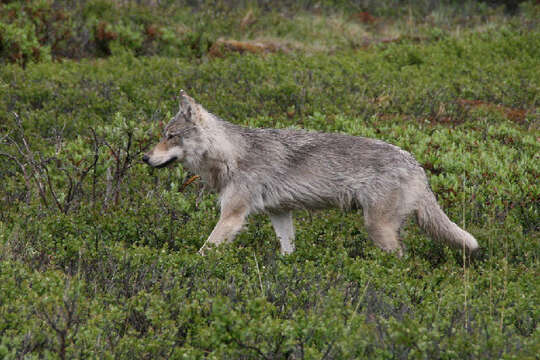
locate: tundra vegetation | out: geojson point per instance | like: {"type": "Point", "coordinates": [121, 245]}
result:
{"type": "Point", "coordinates": [98, 252]}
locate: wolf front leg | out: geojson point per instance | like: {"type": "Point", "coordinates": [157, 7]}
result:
{"type": "Point", "coordinates": [284, 228]}
{"type": "Point", "coordinates": [230, 223]}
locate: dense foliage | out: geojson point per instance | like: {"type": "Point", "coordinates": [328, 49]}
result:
{"type": "Point", "coordinates": [98, 252]}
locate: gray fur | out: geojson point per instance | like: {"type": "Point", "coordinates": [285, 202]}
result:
{"type": "Point", "coordinates": [276, 171]}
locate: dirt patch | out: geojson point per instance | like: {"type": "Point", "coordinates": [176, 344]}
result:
{"type": "Point", "coordinates": [364, 17]}
{"type": "Point", "coordinates": [221, 47]}
{"type": "Point", "coordinates": [513, 114]}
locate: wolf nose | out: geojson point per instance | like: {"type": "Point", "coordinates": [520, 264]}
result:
{"type": "Point", "coordinates": [145, 158]}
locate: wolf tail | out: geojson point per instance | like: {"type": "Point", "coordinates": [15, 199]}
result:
{"type": "Point", "coordinates": [435, 222]}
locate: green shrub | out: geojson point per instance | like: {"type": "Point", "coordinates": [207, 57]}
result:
{"type": "Point", "coordinates": [19, 44]}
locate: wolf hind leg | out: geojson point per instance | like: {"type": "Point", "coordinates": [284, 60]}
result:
{"type": "Point", "coordinates": [383, 227]}
{"type": "Point", "coordinates": [385, 236]}
{"type": "Point", "coordinates": [284, 228]}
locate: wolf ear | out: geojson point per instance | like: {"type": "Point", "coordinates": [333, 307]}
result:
{"type": "Point", "coordinates": [185, 105]}
{"type": "Point", "coordinates": [183, 101]}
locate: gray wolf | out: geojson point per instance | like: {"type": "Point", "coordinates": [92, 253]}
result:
{"type": "Point", "coordinates": [276, 171]}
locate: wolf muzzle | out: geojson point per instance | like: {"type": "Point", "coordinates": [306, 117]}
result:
{"type": "Point", "coordinates": [146, 159]}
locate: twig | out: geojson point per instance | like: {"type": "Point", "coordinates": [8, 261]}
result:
{"type": "Point", "coordinates": [187, 182]}
{"type": "Point", "coordinates": [330, 346]}
{"type": "Point", "coordinates": [259, 274]}
{"type": "Point", "coordinates": [246, 346]}
{"type": "Point", "coordinates": [94, 165]}
{"type": "Point", "coordinates": [23, 169]}
{"type": "Point", "coordinates": [360, 299]}
{"type": "Point", "coordinates": [28, 156]}
{"type": "Point", "coordinates": [55, 198]}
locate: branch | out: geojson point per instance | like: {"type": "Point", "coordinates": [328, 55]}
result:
{"type": "Point", "coordinates": [246, 346]}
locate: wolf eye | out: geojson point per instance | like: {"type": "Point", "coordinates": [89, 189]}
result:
{"type": "Point", "coordinates": [170, 136]}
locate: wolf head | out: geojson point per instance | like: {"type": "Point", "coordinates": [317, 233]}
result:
{"type": "Point", "coordinates": [180, 136]}
{"type": "Point", "coordinates": [202, 142]}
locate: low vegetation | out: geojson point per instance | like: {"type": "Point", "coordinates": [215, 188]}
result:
{"type": "Point", "coordinates": [98, 252]}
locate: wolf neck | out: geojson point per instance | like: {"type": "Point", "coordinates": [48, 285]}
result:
{"type": "Point", "coordinates": [221, 148]}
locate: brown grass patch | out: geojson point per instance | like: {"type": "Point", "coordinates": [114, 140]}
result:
{"type": "Point", "coordinates": [513, 114]}
{"type": "Point", "coordinates": [221, 47]}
